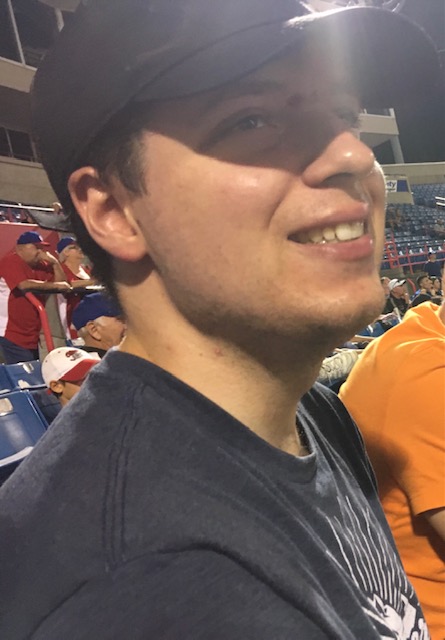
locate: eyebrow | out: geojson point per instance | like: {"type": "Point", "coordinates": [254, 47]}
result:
{"type": "Point", "coordinates": [261, 87]}
{"type": "Point", "coordinates": [240, 90]}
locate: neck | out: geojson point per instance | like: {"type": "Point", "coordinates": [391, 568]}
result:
{"type": "Point", "coordinates": [93, 343]}
{"type": "Point", "coordinates": [259, 385]}
{"type": "Point", "coordinates": [228, 377]}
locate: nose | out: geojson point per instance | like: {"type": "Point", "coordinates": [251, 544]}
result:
{"type": "Point", "coordinates": [344, 155]}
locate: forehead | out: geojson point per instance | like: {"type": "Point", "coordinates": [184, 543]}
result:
{"type": "Point", "coordinates": [307, 72]}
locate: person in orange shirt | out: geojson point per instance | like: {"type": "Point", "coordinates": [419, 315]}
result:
{"type": "Point", "coordinates": [396, 394]}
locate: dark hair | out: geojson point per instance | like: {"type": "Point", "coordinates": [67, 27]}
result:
{"type": "Point", "coordinates": [420, 278]}
{"type": "Point", "coordinates": [115, 152]}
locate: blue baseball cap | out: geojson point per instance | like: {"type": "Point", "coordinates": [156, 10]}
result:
{"type": "Point", "coordinates": [64, 243]}
{"type": "Point", "coordinates": [32, 237]}
{"type": "Point", "coordinates": [94, 306]}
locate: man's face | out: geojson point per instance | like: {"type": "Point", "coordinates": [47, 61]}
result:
{"type": "Point", "coordinates": [259, 190]}
{"type": "Point", "coordinates": [109, 330]}
{"type": "Point", "coordinates": [399, 291]}
{"type": "Point", "coordinates": [426, 283]}
{"type": "Point", "coordinates": [73, 250]}
{"type": "Point", "coordinates": [32, 254]}
{"type": "Point", "coordinates": [66, 390]}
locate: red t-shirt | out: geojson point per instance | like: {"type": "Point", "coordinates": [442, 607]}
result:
{"type": "Point", "coordinates": [72, 299]}
{"type": "Point", "coordinates": [23, 327]}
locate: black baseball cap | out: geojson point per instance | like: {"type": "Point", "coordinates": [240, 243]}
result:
{"type": "Point", "coordinates": [114, 52]}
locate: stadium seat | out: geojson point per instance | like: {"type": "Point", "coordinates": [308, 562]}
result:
{"type": "Point", "coordinates": [25, 375]}
{"type": "Point", "coordinates": [21, 426]}
{"type": "Point", "coordinates": [5, 381]}
{"type": "Point", "coordinates": [48, 404]}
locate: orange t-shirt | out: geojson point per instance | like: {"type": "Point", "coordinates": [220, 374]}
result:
{"type": "Point", "coordinates": [396, 394]}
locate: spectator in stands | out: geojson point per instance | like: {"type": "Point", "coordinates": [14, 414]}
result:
{"type": "Point", "coordinates": [72, 259]}
{"type": "Point", "coordinates": [432, 267]}
{"type": "Point", "coordinates": [398, 299]}
{"type": "Point", "coordinates": [205, 490]}
{"type": "Point", "coordinates": [98, 321]}
{"type": "Point", "coordinates": [65, 369]}
{"type": "Point", "coordinates": [424, 286]}
{"type": "Point", "coordinates": [436, 289]}
{"type": "Point", "coordinates": [31, 266]}
{"type": "Point", "coordinates": [395, 393]}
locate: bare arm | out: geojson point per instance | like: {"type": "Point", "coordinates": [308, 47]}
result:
{"type": "Point", "coordinates": [436, 518]}
{"type": "Point", "coordinates": [59, 274]}
{"type": "Point", "coordinates": [43, 285]}
{"type": "Point", "coordinates": [78, 284]}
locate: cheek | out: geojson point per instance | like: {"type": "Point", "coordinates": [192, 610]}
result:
{"type": "Point", "coordinates": [377, 190]}
{"type": "Point", "coordinates": [206, 203]}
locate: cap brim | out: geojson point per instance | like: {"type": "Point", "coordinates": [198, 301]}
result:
{"type": "Point", "coordinates": [392, 60]}
{"type": "Point", "coordinates": [42, 244]}
{"type": "Point", "coordinates": [80, 371]}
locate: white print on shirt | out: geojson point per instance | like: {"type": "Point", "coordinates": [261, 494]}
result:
{"type": "Point", "coordinates": [373, 566]}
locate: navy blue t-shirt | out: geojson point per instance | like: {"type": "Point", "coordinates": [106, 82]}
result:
{"type": "Point", "coordinates": [148, 512]}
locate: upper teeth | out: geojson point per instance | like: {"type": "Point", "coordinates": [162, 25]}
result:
{"type": "Point", "coordinates": [340, 233]}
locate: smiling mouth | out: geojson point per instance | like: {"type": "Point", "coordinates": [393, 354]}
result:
{"type": "Point", "coordinates": [343, 232]}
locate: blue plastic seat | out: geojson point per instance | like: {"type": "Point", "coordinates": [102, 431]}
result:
{"type": "Point", "coordinates": [48, 404]}
{"type": "Point", "coordinates": [21, 426]}
{"type": "Point", "coordinates": [6, 385]}
{"type": "Point", "coordinates": [26, 375]}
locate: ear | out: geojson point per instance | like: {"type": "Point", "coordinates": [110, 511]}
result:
{"type": "Point", "coordinates": [93, 330]}
{"type": "Point", "coordinates": [106, 212]}
{"type": "Point", "coordinates": [56, 386]}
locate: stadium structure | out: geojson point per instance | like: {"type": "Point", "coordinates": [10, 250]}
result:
{"type": "Point", "coordinates": [416, 191]}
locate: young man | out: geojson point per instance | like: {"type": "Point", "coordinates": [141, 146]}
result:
{"type": "Point", "coordinates": [396, 395]}
{"type": "Point", "coordinates": [98, 322]}
{"type": "Point", "coordinates": [398, 299]}
{"type": "Point", "coordinates": [30, 267]}
{"type": "Point", "coordinates": [211, 151]}
{"type": "Point", "coordinates": [432, 267]}
{"type": "Point", "coordinates": [65, 369]}
{"type": "Point", "coordinates": [424, 285]}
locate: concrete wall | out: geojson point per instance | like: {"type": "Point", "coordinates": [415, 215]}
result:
{"type": "Point", "coordinates": [418, 173]}
{"type": "Point", "coordinates": [15, 75]}
{"type": "Point", "coordinates": [24, 182]}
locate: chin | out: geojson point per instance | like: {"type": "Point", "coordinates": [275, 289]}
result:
{"type": "Point", "coordinates": [344, 324]}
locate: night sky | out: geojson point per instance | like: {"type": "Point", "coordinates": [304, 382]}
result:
{"type": "Point", "coordinates": [422, 135]}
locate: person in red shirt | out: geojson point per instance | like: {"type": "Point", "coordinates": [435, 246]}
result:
{"type": "Point", "coordinates": [71, 258]}
{"type": "Point", "coordinates": [31, 266]}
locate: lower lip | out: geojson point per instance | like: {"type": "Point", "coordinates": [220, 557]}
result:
{"type": "Point", "coordinates": [349, 250]}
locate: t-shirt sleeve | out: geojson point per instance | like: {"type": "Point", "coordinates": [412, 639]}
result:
{"type": "Point", "coordinates": [193, 595]}
{"type": "Point", "coordinates": [13, 273]}
{"type": "Point", "coordinates": [417, 449]}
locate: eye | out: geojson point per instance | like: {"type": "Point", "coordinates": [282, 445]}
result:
{"type": "Point", "coordinates": [250, 123]}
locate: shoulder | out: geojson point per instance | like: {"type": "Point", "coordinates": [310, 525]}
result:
{"type": "Point", "coordinates": [11, 260]}
{"type": "Point", "coordinates": [338, 435]}
{"type": "Point", "coordinates": [192, 595]}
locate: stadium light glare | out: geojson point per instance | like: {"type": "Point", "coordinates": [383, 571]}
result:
{"type": "Point", "coordinates": [324, 5]}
